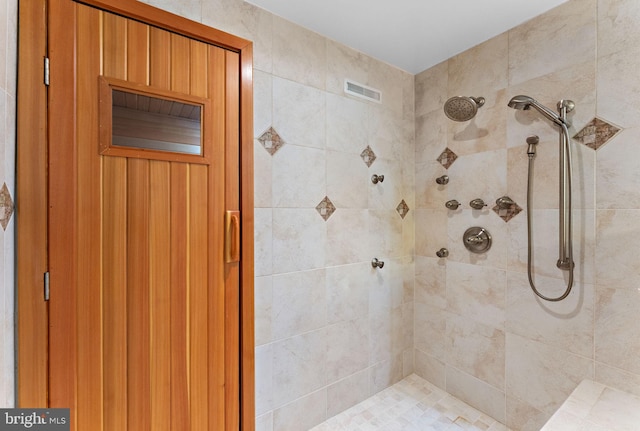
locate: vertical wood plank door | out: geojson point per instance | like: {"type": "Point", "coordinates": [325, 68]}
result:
{"type": "Point", "coordinates": [152, 305]}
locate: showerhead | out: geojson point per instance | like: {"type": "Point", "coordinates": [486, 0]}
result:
{"type": "Point", "coordinates": [525, 103]}
{"type": "Point", "coordinates": [521, 102]}
{"type": "Point", "coordinates": [462, 108]}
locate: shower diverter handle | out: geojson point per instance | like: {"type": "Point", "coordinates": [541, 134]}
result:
{"type": "Point", "coordinates": [476, 239]}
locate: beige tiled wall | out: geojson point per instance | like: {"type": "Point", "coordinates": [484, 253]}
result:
{"type": "Point", "coordinates": [480, 333]}
{"type": "Point", "coordinates": [331, 331]}
{"type": "Point", "coordinates": [8, 56]}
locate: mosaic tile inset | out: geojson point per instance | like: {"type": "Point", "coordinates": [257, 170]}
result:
{"type": "Point", "coordinates": [403, 209]}
{"type": "Point", "coordinates": [596, 133]}
{"type": "Point", "coordinates": [447, 157]}
{"type": "Point", "coordinates": [6, 206]}
{"type": "Point", "coordinates": [368, 156]}
{"type": "Point", "coordinates": [271, 141]}
{"type": "Point", "coordinates": [507, 214]}
{"type": "Point", "coordinates": [325, 208]}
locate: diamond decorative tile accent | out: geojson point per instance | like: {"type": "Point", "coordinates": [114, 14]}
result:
{"type": "Point", "coordinates": [507, 214]}
{"type": "Point", "coordinates": [447, 158]}
{"type": "Point", "coordinates": [6, 206]}
{"type": "Point", "coordinates": [326, 208]}
{"type": "Point", "coordinates": [271, 141]}
{"type": "Point", "coordinates": [368, 156]}
{"type": "Point", "coordinates": [402, 208]}
{"type": "Point", "coordinates": [596, 133]}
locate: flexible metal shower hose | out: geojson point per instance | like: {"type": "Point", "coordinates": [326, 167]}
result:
{"type": "Point", "coordinates": [567, 151]}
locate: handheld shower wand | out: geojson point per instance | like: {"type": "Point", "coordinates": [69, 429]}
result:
{"type": "Point", "coordinates": [565, 259]}
{"type": "Point", "coordinates": [525, 103]}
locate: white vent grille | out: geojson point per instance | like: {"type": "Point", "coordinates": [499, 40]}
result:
{"type": "Point", "coordinates": [362, 91]}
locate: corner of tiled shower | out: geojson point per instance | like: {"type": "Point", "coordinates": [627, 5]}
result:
{"type": "Point", "coordinates": [330, 329]}
{"type": "Point", "coordinates": [480, 333]}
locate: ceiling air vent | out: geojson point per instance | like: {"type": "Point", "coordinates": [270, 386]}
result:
{"type": "Point", "coordinates": [362, 91]}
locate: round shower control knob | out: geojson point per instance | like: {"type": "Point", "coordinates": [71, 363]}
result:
{"type": "Point", "coordinates": [477, 204]}
{"type": "Point", "coordinates": [452, 204]}
{"type": "Point", "coordinates": [477, 239]}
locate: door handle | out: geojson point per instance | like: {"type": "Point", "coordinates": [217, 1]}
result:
{"type": "Point", "coordinates": [232, 236]}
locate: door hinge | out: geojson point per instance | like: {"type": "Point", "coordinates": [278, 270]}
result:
{"type": "Point", "coordinates": [46, 286]}
{"type": "Point", "coordinates": [46, 71]}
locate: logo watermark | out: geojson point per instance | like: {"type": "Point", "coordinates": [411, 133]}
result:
{"type": "Point", "coordinates": [34, 419]}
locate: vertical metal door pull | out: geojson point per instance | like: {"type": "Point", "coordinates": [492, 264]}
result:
{"type": "Point", "coordinates": [232, 236]}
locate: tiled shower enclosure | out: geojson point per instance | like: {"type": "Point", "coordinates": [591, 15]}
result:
{"type": "Point", "coordinates": [332, 331]}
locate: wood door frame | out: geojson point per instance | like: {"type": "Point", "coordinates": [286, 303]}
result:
{"type": "Point", "coordinates": [35, 229]}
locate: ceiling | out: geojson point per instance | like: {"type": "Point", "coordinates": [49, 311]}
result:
{"type": "Point", "coordinates": [410, 34]}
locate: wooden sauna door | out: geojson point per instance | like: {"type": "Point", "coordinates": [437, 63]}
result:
{"type": "Point", "coordinates": [144, 310]}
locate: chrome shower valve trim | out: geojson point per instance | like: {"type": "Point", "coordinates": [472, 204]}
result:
{"type": "Point", "coordinates": [477, 239]}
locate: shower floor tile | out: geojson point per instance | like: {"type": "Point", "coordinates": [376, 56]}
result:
{"type": "Point", "coordinates": [412, 404]}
